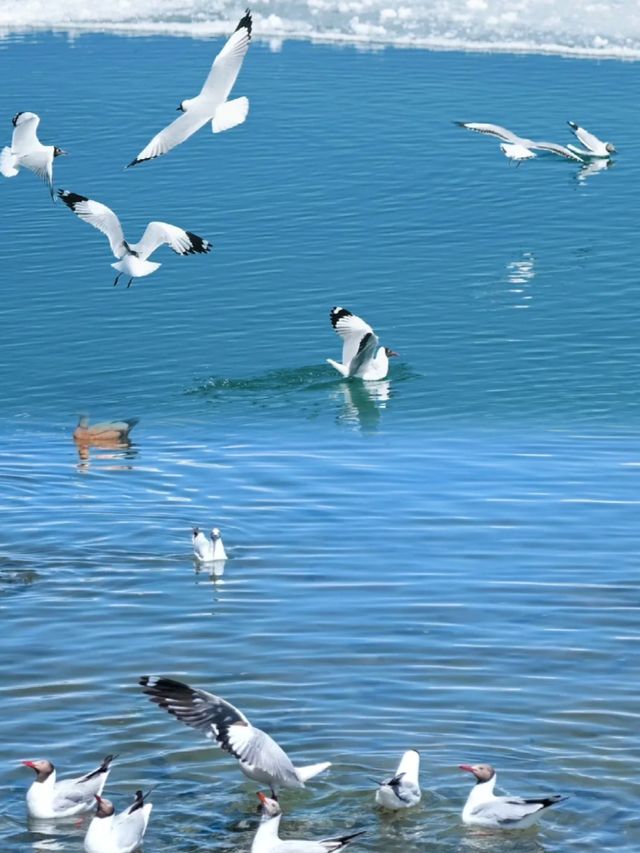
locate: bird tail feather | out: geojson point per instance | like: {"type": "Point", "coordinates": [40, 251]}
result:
{"type": "Point", "coordinates": [230, 114]}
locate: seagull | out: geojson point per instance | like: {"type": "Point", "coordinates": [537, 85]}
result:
{"type": "Point", "coordinates": [594, 146]}
{"type": "Point", "coordinates": [27, 150]}
{"type": "Point", "coordinates": [107, 431]}
{"type": "Point", "coordinates": [402, 790]}
{"type": "Point", "coordinates": [515, 151]}
{"type": "Point", "coordinates": [132, 258]}
{"type": "Point", "coordinates": [205, 550]}
{"type": "Point", "coordinates": [211, 103]}
{"type": "Point", "coordinates": [122, 833]}
{"type": "Point", "coordinates": [260, 757]}
{"type": "Point", "coordinates": [483, 808]}
{"type": "Point", "coordinates": [267, 840]}
{"type": "Point", "coordinates": [48, 799]}
{"type": "Point", "coordinates": [508, 136]}
{"type": "Point", "coordinates": [361, 356]}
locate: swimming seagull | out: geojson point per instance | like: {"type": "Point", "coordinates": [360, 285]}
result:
{"type": "Point", "coordinates": [402, 790]}
{"type": "Point", "coordinates": [122, 833]}
{"type": "Point", "coordinates": [512, 139]}
{"type": "Point", "coordinates": [260, 757]}
{"type": "Point", "coordinates": [106, 431]}
{"type": "Point", "coordinates": [594, 146]}
{"type": "Point", "coordinates": [483, 808]}
{"type": "Point", "coordinates": [361, 356]}
{"type": "Point", "coordinates": [207, 550]}
{"type": "Point", "coordinates": [211, 103]}
{"type": "Point", "coordinates": [132, 258]}
{"type": "Point", "coordinates": [27, 150]}
{"type": "Point", "coordinates": [48, 799]}
{"type": "Point", "coordinates": [267, 840]}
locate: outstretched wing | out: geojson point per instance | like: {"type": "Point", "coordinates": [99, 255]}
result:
{"type": "Point", "coordinates": [358, 336]}
{"type": "Point", "coordinates": [173, 134]}
{"type": "Point", "coordinates": [490, 130]}
{"type": "Point", "coordinates": [555, 148]}
{"type": "Point", "coordinates": [587, 139]}
{"type": "Point", "coordinates": [182, 242]}
{"type": "Point", "coordinates": [98, 215]}
{"type": "Point", "coordinates": [227, 64]}
{"type": "Point", "coordinates": [40, 162]}
{"type": "Point", "coordinates": [24, 137]}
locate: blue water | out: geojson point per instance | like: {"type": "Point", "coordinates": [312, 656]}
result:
{"type": "Point", "coordinates": [445, 561]}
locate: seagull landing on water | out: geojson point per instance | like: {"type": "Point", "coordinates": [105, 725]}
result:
{"type": "Point", "coordinates": [47, 799]}
{"type": "Point", "coordinates": [132, 258]}
{"type": "Point", "coordinates": [483, 808]}
{"type": "Point", "coordinates": [260, 757]}
{"type": "Point", "coordinates": [208, 550]}
{"type": "Point", "coordinates": [122, 833]}
{"type": "Point", "coordinates": [402, 790]}
{"type": "Point", "coordinates": [361, 356]}
{"type": "Point", "coordinates": [27, 150]}
{"type": "Point", "coordinates": [211, 103]}
{"type": "Point", "coordinates": [267, 840]}
{"type": "Point", "coordinates": [593, 147]}
{"type": "Point", "coordinates": [512, 139]}
{"type": "Point", "coordinates": [516, 152]}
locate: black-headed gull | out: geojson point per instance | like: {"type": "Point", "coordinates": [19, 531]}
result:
{"type": "Point", "coordinates": [208, 550]}
{"type": "Point", "coordinates": [260, 757]}
{"type": "Point", "coordinates": [117, 833]}
{"type": "Point", "coordinates": [132, 258]}
{"type": "Point", "coordinates": [267, 840]}
{"type": "Point", "coordinates": [483, 808]}
{"type": "Point", "coordinates": [402, 790]}
{"type": "Point", "coordinates": [513, 139]}
{"type": "Point", "coordinates": [211, 103]}
{"type": "Point", "coordinates": [27, 150]}
{"type": "Point", "coordinates": [106, 431]}
{"type": "Point", "coordinates": [48, 799]}
{"type": "Point", "coordinates": [361, 356]}
{"type": "Point", "coordinates": [593, 147]}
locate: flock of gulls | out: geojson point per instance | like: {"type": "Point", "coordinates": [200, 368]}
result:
{"type": "Point", "coordinates": [260, 757]}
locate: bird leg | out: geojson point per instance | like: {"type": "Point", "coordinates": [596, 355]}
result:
{"type": "Point", "coordinates": [130, 280]}
{"type": "Point", "coordinates": [117, 277]}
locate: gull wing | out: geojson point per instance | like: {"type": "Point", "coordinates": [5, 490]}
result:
{"type": "Point", "coordinates": [589, 141]}
{"type": "Point", "coordinates": [173, 134]}
{"type": "Point", "coordinates": [40, 162]}
{"type": "Point", "coordinates": [129, 826]}
{"type": "Point", "coordinates": [366, 351]}
{"type": "Point", "coordinates": [352, 330]}
{"type": "Point", "coordinates": [24, 137]}
{"type": "Point", "coordinates": [98, 215]}
{"type": "Point", "coordinates": [555, 148]}
{"type": "Point", "coordinates": [259, 752]}
{"type": "Point", "coordinates": [193, 707]}
{"type": "Point", "coordinates": [227, 64]}
{"type": "Point", "coordinates": [511, 810]}
{"type": "Point", "coordinates": [490, 130]}
{"type": "Point", "coordinates": [182, 242]}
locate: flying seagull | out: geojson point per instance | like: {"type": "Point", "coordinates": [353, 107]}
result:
{"type": "Point", "coordinates": [511, 138]}
{"type": "Point", "coordinates": [47, 798]}
{"type": "Point", "coordinates": [402, 790]}
{"type": "Point", "coordinates": [211, 103]}
{"type": "Point", "coordinates": [361, 356]}
{"type": "Point", "coordinates": [483, 808]}
{"type": "Point", "coordinates": [260, 757]}
{"type": "Point", "coordinates": [132, 258]}
{"type": "Point", "coordinates": [593, 147]}
{"type": "Point", "coordinates": [27, 150]}
{"type": "Point", "coordinates": [267, 840]}
{"type": "Point", "coordinates": [122, 833]}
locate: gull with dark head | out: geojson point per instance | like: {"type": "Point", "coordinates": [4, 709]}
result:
{"type": "Point", "coordinates": [592, 146]}
{"type": "Point", "coordinates": [402, 790]}
{"type": "Point", "coordinates": [260, 757]}
{"type": "Point", "coordinates": [211, 104]}
{"type": "Point", "coordinates": [362, 358]}
{"type": "Point", "coordinates": [267, 840]}
{"type": "Point", "coordinates": [133, 257]}
{"type": "Point", "coordinates": [517, 145]}
{"type": "Point", "coordinates": [118, 833]}
{"type": "Point", "coordinates": [208, 550]}
{"type": "Point", "coordinates": [483, 808]}
{"type": "Point", "coordinates": [47, 798]}
{"type": "Point", "coordinates": [26, 150]}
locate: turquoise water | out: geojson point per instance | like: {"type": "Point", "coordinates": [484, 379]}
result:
{"type": "Point", "coordinates": [445, 561]}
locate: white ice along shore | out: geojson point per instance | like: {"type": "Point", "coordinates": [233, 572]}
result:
{"type": "Point", "coordinates": [606, 29]}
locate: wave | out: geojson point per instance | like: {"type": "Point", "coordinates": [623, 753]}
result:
{"type": "Point", "coordinates": [601, 28]}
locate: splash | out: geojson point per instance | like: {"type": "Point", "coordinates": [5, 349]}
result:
{"type": "Point", "coordinates": [602, 28]}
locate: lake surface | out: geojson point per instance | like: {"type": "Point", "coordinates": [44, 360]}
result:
{"type": "Point", "coordinates": [447, 560]}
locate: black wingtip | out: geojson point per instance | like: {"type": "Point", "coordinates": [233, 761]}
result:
{"type": "Point", "coordinates": [245, 22]}
{"type": "Point", "coordinates": [133, 163]}
{"type": "Point", "coordinates": [337, 313]}
{"type": "Point", "coordinates": [199, 246]}
{"type": "Point", "coordinates": [71, 199]}
{"type": "Point", "coordinates": [460, 123]}
{"type": "Point", "coordinates": [572, 124]}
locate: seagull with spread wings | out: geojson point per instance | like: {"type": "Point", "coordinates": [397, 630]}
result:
{"type": "Point", "coordinates": [361, 356]}
{"type": "Point", "coordinates": [211, 103]}
{"type": "Point", "coordinates": [133, 258]}
{"type": "Point", "coordinates": [26, 150]}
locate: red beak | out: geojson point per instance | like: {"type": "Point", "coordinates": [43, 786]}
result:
{"type": "Point", "coordinates": [262, 797]}
{"type": "Point", "coordinates": [466, 767]}
{"type": "Point", "coordinates": [28, 764]}
{"type": "Point", "coordinates": [397, 354]}
{"type": "Point", "coordinates": [98, 800]}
